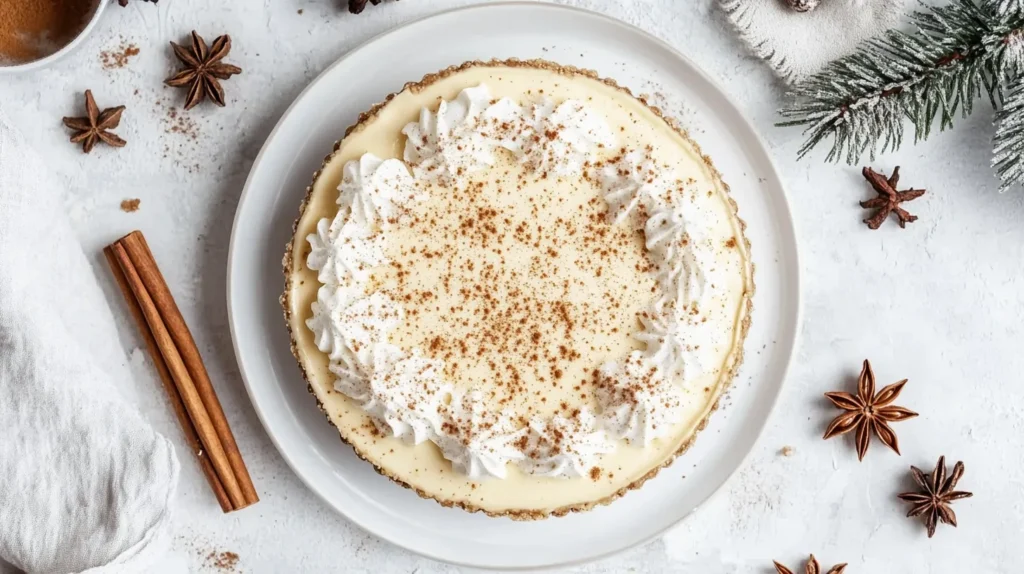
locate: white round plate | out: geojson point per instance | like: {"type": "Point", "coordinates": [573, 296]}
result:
{"type": "Point", "coordinates": [270, 202]}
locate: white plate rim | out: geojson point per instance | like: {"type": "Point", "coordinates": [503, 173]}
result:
{"type": "Point", "coordinates": [772, 177]}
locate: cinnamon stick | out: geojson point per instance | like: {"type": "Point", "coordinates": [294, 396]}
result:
{"type": "Point", "coordinates": [142, 258]}
{"type": "Point", "coordinates": [187, 428]}
{"type": "Point", "coordinates": [193, 403]}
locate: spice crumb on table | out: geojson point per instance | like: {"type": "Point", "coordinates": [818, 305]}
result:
{"type": "Point", "coordinates": [120, 56]}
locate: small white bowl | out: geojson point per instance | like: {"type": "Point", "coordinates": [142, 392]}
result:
{"type": "Point", "coordinates": [65, 50]}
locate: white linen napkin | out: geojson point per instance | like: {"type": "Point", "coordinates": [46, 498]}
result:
{"type": "Point", "coordinates": [85, 483]}
{"type": "Point", "coordinates": [798, 44]}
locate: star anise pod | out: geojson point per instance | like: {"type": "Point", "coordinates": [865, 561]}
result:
{"type": "Point", "coordinates": [811, 567]}
{"type": "Point", "coordinates": [95, 125]}
{"type": "Point", "coordinates": [938, 493]}
{"type": "Point", "coordinates": [867, 412]}
{"type": "Point", "coordinates": [888, 200]}
{"type": "Point", "coordinates": [203, 69]}
{"type": "Point", "coordinates": [357, 6]}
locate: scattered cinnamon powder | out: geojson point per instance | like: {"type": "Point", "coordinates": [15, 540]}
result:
{"type": "Point", "coordinates": [130, 205]}
{"type": "Point", "coordinates": [209, 558]}
{"type": "Point", "coordinates": [118, 58]}
{"type": "Point", "coordinates": [222, 561]}
{"type": "Point", "coordinates": [177, 123]}
{"type": "Point", "coordinates": [180, 150]}
{"type": "Point", "coordinates": [595, 473]}
{"type": "Point", "coordinates": [34, 29]}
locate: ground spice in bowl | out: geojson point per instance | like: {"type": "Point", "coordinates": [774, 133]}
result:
{"type": "Point", "coordinates": [33, 29]}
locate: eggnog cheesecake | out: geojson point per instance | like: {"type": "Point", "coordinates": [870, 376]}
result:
{"type": "Point", "coordinates": [515, 288]}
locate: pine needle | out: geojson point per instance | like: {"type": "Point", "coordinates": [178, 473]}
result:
{"type": "Point", "coordinates": [1009, 141]}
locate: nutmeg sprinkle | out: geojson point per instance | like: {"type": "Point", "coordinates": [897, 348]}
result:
{"type": "Point", "coordinates": [517, 280]}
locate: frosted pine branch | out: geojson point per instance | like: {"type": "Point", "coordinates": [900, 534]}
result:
{"type": "Point", "coordinates": [1008, 156]}
{"type": "Point", "coordinates": [958, 52]}
{"type": "Point", "coordinates": [1014, 53]}
{"type": "Point", "coordinates": [1010, 6]}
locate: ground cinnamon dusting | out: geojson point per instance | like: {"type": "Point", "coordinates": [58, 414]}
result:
{"type": "Point", "coordinates": [178, 123]}
{"type": "Point", "coordinates": [219, 561]}
{"type": "Point", "coordinates": [130, 205]}
{"type": "Point", "coordinates": [181, 149]}
{"type": "Point", "coordinates": [223, 561]}
{"type": "Point", "coordinates": [209, 558]}
{"type": "Point", "coordinates": [34, 29]}
{"type": "Point", "coordinates": [118, 58]}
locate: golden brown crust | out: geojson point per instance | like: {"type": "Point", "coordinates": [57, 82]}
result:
{"type": "Point", "coordinates": [726, 379]}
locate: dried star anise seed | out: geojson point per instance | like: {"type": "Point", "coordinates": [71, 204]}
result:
{"type": "Point", "coordinates": [203, 69]}
{"type": "Point", "coordinates": [812, 567]}
{"type": "Point", "coordinates": [357, 6]}
{"type": "Point", "coordinates": [889, 199]}
{"type": "Point", "coordinates": [95, 126]}
{"type": "Point", "coordinates": [936, 495]}
{"type": "Point", "coordinates": [867, 412]}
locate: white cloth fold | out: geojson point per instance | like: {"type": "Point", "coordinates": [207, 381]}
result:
{"type": "Point", "coordinates": [85, 483]}
{"type": "Point", "coordinates": [798, 44]}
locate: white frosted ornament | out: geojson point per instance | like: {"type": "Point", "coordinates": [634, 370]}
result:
{"type": "Point", "coordinates": [803, 5]}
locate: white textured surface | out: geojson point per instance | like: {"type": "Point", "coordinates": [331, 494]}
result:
{"type": "Point", "coordinates": [798, 44]}
{"type": "Point", "coordinates": [940, 302]}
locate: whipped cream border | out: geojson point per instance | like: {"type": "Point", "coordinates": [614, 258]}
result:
{"type": "Point", "coordinates": [382, 378]}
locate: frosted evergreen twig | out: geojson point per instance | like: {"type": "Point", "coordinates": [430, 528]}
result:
{"type": "Point", "coordinates": [1009, 141]}
{"type": "Point", "coordinates": [958, 52]}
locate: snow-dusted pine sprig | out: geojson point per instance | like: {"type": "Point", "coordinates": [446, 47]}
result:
{"type": "Point", "coordinates": [1013, 55]}
{"type": "Point", "coordinates": [1010, 6]}
{"type": "Point", "coordinates": [958, 52]}
{"type": "Point", "coordinates": [1008, 156]}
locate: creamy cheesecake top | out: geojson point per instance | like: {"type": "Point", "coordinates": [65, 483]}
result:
{"type": "Point", "coordinates": [518, 289]}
